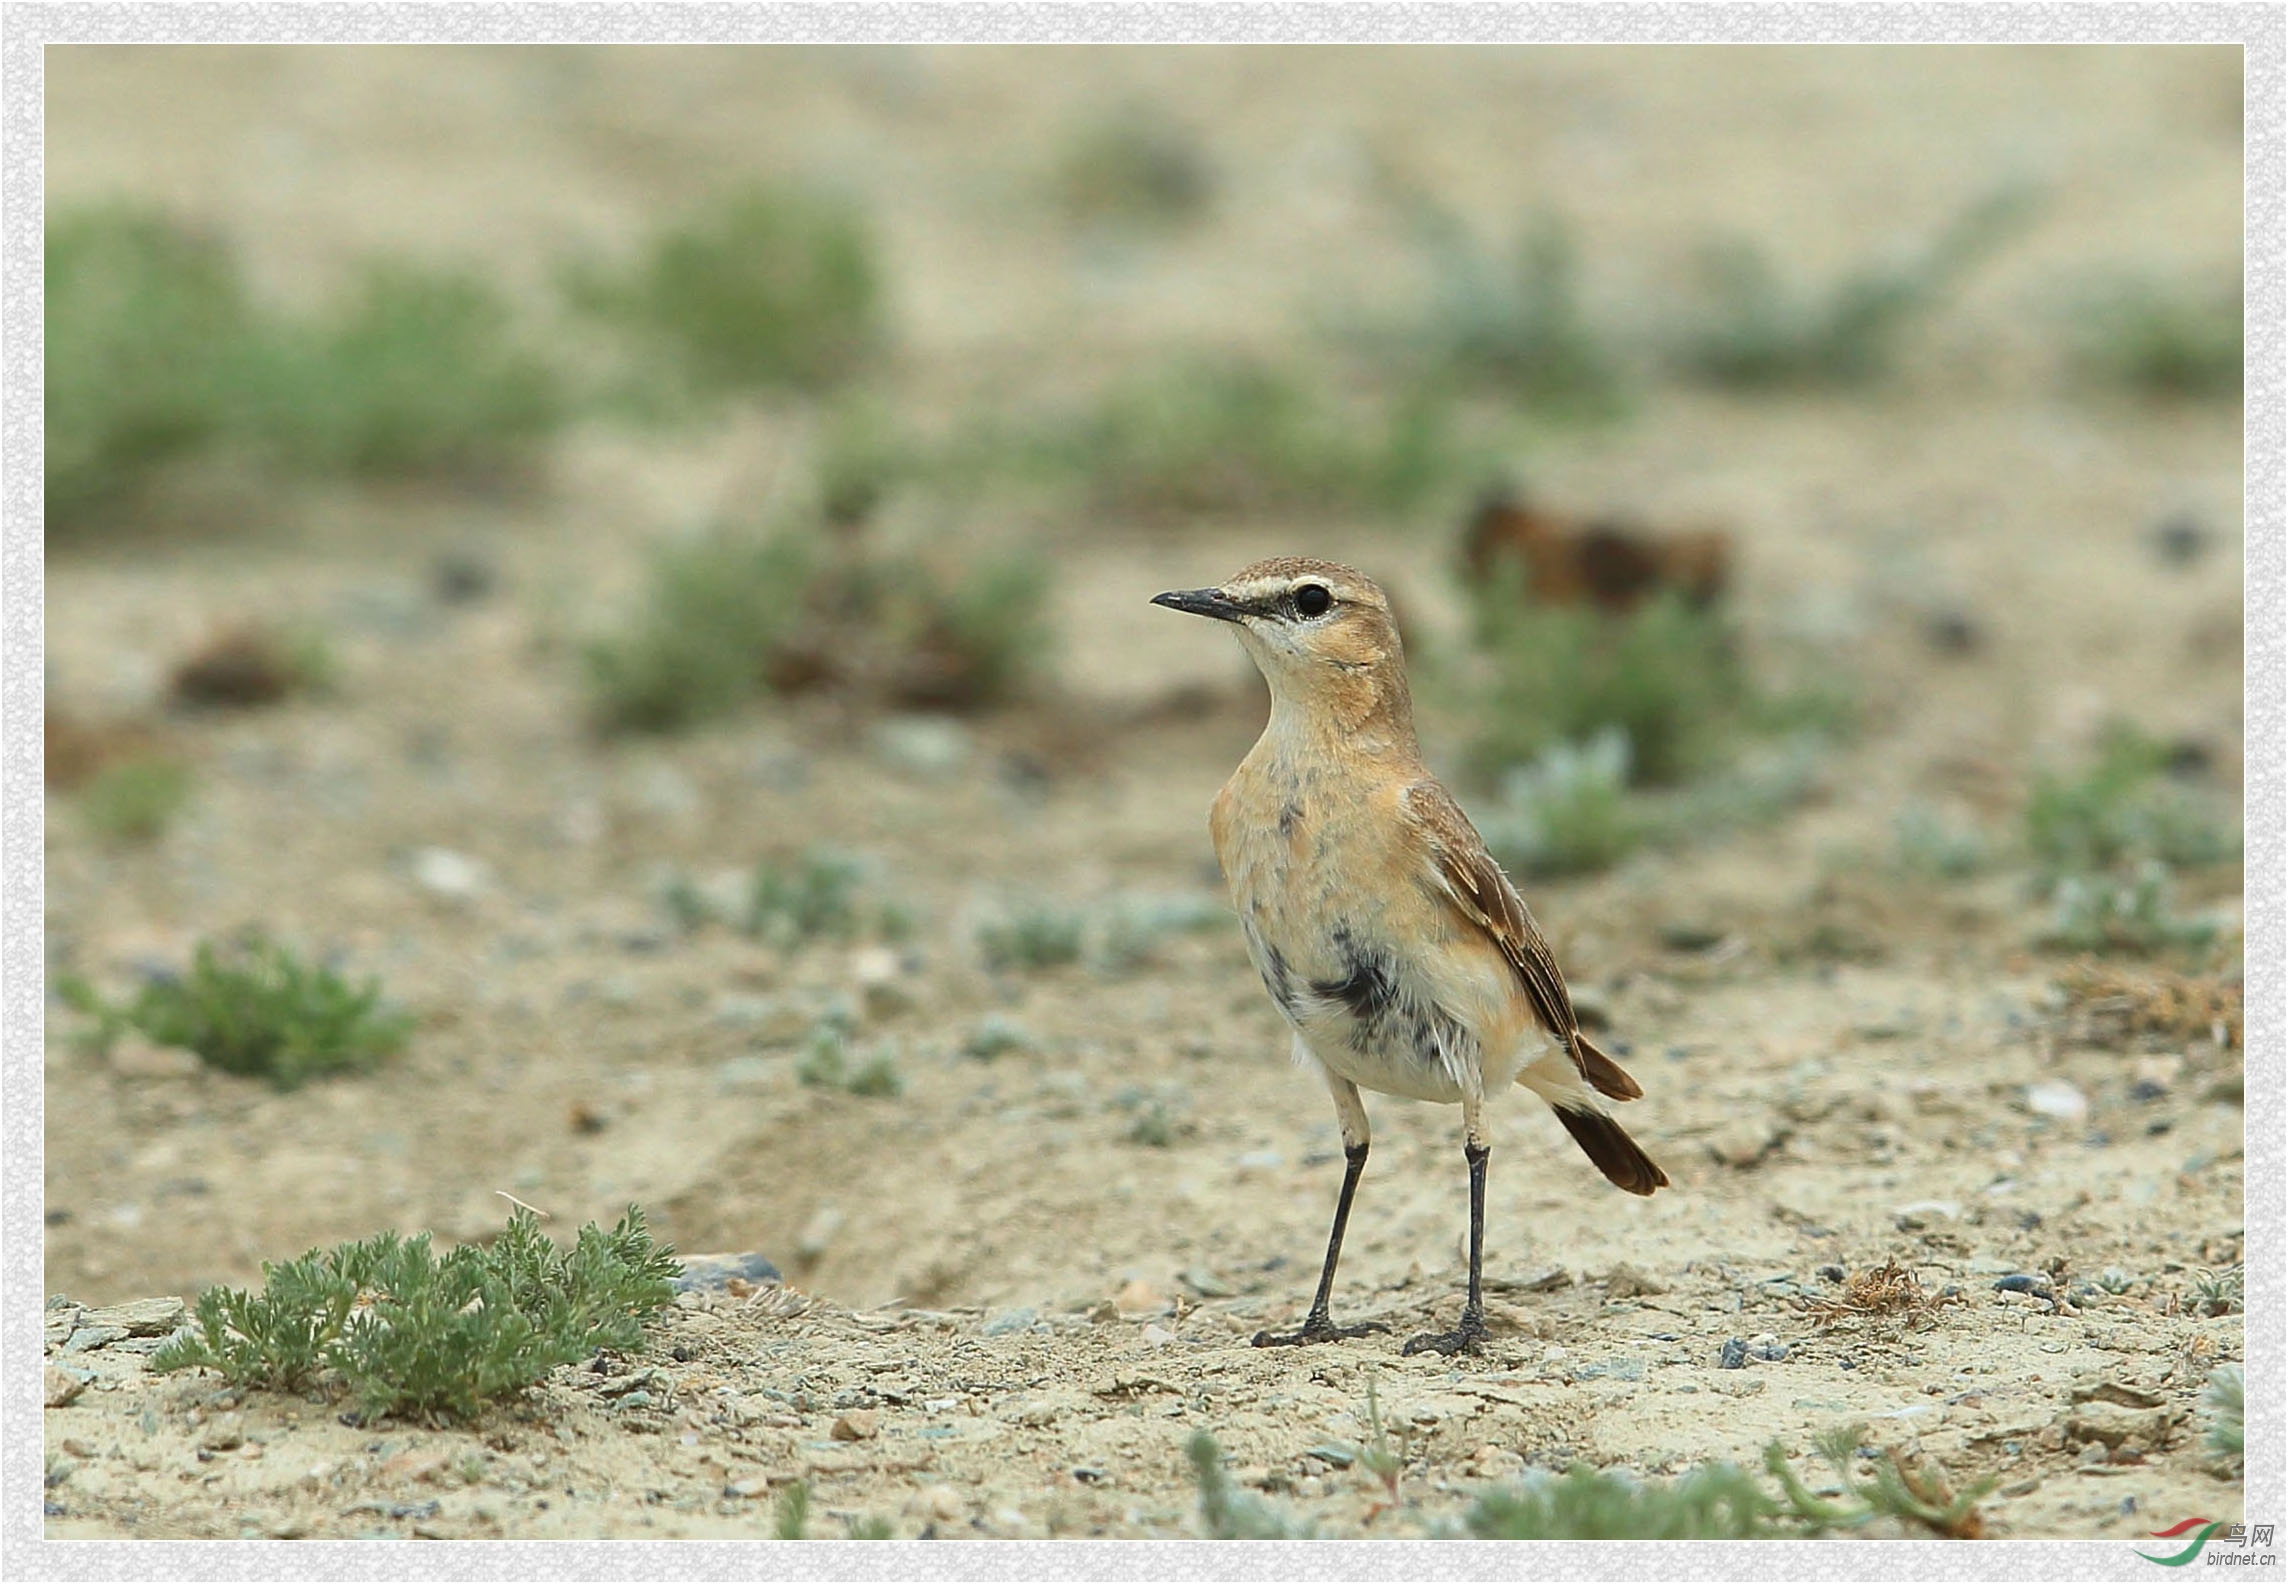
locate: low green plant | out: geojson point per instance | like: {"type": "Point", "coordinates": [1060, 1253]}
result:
{"type": "Point", "coordinates": [1516, 325]}
{"type": "Point", "coordinates": [961, 632]}
{"type": "Point", "coordinates": [772, 286]}
{"type": "Point", "coordinates": [1928, 845]}
{"type": "Point", "coordinates": [1722, 1501]}
{"type": "Point", "coordinates": [1378, 1457]}
{"type": "Point", "coordinates": [863, 454]}
{"type": "Point", "coordinates": [1198, 436]}
{"type": "Point", "coordinates": [411, 1332]}
{"type": "Point", "coordinates": [995, 1036]}
{"type": "Point", "coordinates": [810, 897]}
{"type": "Point", "coordinates": [1129, 936]}
{"type": "Point", "coordinates": [1717, 1501]}
{"type": "Point", "coordinates": [1763, 330]}
{"type": "Point", "coordinates": [256, 1009]}
{"type": "Point", "coordinates": [1032, 935]}
{"type": "Point", "coordinates": [877, 1077]}
{"type": "Point", "coordinates": [791, 1520]}
{"type": "Point", "coordinates": [422, 372]}
{"type": "Point", "coordinates": [1665, 675]}
{"type": "Point", "coordinates": [2164, 340]}
{"type": "Point", "coordinates": [146, 323]}
{"type": "Point", "coordinates": [2226, 1400]}
{"type": "Point", "coordinates": [2220, 1292]}
{"type": "Point", "coordinates": [825, 1061]}
{"type": "Point", "coordinates": [1568, 812]}
{"type": "Point", "coordinates": [719, 609]}
{"type": "Point", "coordinates": [1226, 1512]}
{"type": "Point", "coordinates": [135, 800]}
{"type": "Point", "coordinates": [733, 614]}
{"type": "Point", "coordinates": [2121, 809]}
{"type": "Point", "coordinates": [1153, 1126]}
{"type": "Point", "coordinates": [1134, 169]}
{"type": "Point", "coordinates": [2117, 915]}
{"type": "Point", "coordinates": [826, 1064]}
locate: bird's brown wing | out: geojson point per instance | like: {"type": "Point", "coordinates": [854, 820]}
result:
{"type": "Point", "coordinates": [1483, 895]}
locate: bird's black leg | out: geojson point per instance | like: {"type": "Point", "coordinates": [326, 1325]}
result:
{"type": "Point", "coordinates": [1317, 1327]}
{"type": "Point", "coordinates": [1471, 1333]}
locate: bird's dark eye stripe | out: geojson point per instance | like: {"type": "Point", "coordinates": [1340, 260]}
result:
{"type": "Point", "coordinates": [1313, 599]}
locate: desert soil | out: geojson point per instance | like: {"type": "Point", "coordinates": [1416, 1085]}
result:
{"type": "Point", "coordinates": [1002, 1316]}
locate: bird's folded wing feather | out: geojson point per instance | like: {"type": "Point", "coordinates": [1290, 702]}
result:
{"type": "Point", "coordinates": [1483, 895]}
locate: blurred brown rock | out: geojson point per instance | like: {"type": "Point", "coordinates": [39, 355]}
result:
{"type": "Point", "coordinates": [1607, 562]}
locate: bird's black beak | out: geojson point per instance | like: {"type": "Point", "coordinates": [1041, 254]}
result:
{"type": "Point", "coordinates": [1200, 602]}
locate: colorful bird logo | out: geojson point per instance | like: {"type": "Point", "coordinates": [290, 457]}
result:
{"type": "Point", "coordinates": [2206, 1527]}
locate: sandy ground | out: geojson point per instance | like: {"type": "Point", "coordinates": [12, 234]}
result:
{"type": "Point", "coordinates": [1036, 1309]}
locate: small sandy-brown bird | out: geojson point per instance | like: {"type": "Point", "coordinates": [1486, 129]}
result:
{"type": "Point", "coordinates": [1391, 941]}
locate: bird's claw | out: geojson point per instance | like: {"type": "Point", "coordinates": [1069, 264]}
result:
{"type": "Point", "coordinates": [1468, 1337]}
{"type": "Point", "coordinates": [1317, 1328]}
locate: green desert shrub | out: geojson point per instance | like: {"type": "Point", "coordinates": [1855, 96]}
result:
{"type": "Point", "coordinates": [2167, 340]}
{"type": "Point", "coordinates": [1209, 436]}
{"type": "Point", "coordinates": [136, 799]}
{"type": "Point", "coordinates": [409, 1331]}
{"type": "Point", "coordinates": [1135, 169]}
{"type": "Point", "coordinates": [1032, 935]}
{"type": "Point", "coordinates": [1721, 1501]}
{"type": "Point", "coordinates": [146, 324]}
{"type": "Point", "coordinates": [1568, 812]}
{"type": "Point", "coordinates": [255, 1008]}
{"type": "Point", "coordinates": [733, 614]}
{"type": "Point", "coordinates": [1666, 675]}
{"type": "Point", "coordinates": [1761, 329]}
{"type": "Point", "coordinates": [2122, 809]}
{"type": "Point", "coordinates": [718, 608]}
{"type": "Point", "coordinates": [1516, 325]}
{"type": "Point", "coordinates": [772, 286]}
{"type": "Point", "coordinates": [420, 371]}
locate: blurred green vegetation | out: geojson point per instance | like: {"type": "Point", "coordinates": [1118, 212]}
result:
{"type": "Point", "coordinates": [146, 328]}
{"type": "Point", "coordinates": [1760, 329]}
{"type": "Point", "coordinates": [421, 372]}
{"type": "Point", "coordinates": [1199, 436]}
{"type": "Point", "coordinates": [718, 607]}
{"type": "Point", "coordinates": [136, 799]}
{"type": "Point", "coordinates": [764, 287]}
{"type": "Point", "coordinates": [1134, 168]}
{"type": "Point", "coordinates": [2164, 338]}
{"type": "Point", "coordinates": [1666, 674]}
{"type": "Point", "coordinates": [155, 354]}
{"type": "Point", "coordinates": [1514, 326]}
{"type": "Point", "coordinates": [2106, 842]}
{"type": "Point", "coordinates": [1722, 1501]}
{"type": "Point", "coordinates": [2123, 808]}
{"type": "Point", "coordinates": [1568, 811]}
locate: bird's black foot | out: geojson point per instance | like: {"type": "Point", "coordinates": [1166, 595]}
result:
{"type": "Point", "coordinates": [1317, 1328]}
{"type": "Point", "coordinates": [1468, 1337]}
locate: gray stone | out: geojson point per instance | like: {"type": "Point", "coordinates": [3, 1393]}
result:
{"type": "Point", "coordinates": [140, 1317]}
{"type": "Point", "coordinates": [86, 1339]}
{"type": "Point", "coordinates": [716, 1272]}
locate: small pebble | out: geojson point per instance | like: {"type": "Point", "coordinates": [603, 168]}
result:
{"type": "Point", "coordinates": [859, 1424]}
{"type": "Point", "coordinates": [1734, 1354]}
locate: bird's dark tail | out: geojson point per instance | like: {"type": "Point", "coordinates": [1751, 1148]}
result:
{"type": "Point", "coordinates": [1605, 1075]}
{"type": "Point", "coordinates": [1612, 1151]}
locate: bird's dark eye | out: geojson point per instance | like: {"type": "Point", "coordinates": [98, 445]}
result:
{"type": "Point", "coordinates": [1312, 600]}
